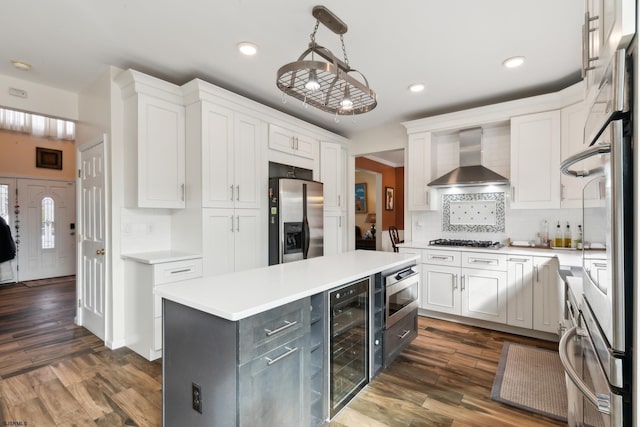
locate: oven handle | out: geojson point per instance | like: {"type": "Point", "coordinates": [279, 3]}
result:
{"type": "Point", "coordinates": [583, 155]}
{"type": "Point", "coordinates": [602, 402]}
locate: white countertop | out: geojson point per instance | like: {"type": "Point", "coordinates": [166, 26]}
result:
{"type": "Point", "coordinates": [242, 294]}
{"type": "Point", "coordinates": [568, 257]}
{"type": "Point", "coordinates": [159, 257]}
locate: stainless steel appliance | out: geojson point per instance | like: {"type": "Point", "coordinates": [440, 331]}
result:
{"type": "Point", "coordinates": [295, 220]}
{"type": "Point", "coordinates": [601, 343]}
{"type": "Point", "coordinates": [348, 343]}
{"type": "Point", "coordinates": [401, 310]}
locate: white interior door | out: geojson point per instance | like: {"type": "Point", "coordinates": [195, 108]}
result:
{"type": "Point", "coordinates": [92, 272]}
{"type": "Point", "coordinates": [8, 272]}
{"type": "Point", "coordinates": [47, 231]}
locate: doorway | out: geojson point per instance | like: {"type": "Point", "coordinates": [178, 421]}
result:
{"type": "Point", "coordinates": [41, 214]}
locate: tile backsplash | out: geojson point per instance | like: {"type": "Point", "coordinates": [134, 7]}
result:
{"type": "Point", "coordinates": [474, 212]}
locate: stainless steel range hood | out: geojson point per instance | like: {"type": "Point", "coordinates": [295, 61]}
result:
{"type": "Point", "coordinates": [471, 172]}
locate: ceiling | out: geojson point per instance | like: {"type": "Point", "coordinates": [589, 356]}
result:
{"type": "Point", "coordinates": [454, 47]}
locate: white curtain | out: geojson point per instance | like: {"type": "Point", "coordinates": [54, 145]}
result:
{"type": "Point", "coordinates": [37, 125]}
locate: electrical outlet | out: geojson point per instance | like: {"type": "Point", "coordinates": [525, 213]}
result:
{"type": "Point", "coordinates": [196, 397]}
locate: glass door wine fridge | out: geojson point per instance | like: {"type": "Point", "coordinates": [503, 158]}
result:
{"type": "Point", "coordinates": [349, 342]}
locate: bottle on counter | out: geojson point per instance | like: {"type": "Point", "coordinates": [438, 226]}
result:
{"type": "Point", "coordinates": [579, 237]}
{"type": "Point", "coordinates": [557, 242]}
{"type": "Point", "coordinates": [567, 236]}
{"type": "Point", "coordinates": [544, 234]}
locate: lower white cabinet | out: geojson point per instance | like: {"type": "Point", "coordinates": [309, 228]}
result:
{"type": "Point", "coordinates": [143, 309]}
{"type": "Point", "coordinates": [533, 293]}
{"type": "Point", "coordinates": [231, 240]}
{"type": "Point", "coordinates": [546, 305]}
{"type": "Point", "coordinates": [465, 284]}
{"type": "Point", "coordinates": [335, 235]}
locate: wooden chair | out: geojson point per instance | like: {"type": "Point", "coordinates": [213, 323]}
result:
{"type": "Point", "coordinates": [395, 239]}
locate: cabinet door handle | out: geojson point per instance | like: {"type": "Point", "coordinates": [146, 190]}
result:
{"type": "Point", "coordinates": [513, 193]}
{"type": "Point", "coordinates": [238, 192]}
{"type": "Point", "coordinates": [238, 223]}
{"type": "Point", "coordinates": [289, 352]}
{"type": "Point", "coordinates": [183, 191]}
{"type": "Point", "coordinates": [462, 282]}
{"type": "Point", "coordinates": [339, 222]}
{"type": "Point", "coordinates": [231, 186]}
{"type": "Point", "coordinates": [404, 333]}
{"type": "Point", "coordinates": [286, 325]}
{"type": "Point", "coordinates": [338, 200]}
{"type": "Point", "coordinates": [455, 281]}
{"type": "Point", "coordinates": [537, 269]}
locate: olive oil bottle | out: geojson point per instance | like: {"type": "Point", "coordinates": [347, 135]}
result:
{"type": "Point", "coordinates": [567, 236]}
{"type": "Point", "coordinates": [558, 240]}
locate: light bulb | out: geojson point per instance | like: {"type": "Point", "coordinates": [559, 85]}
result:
{"type": "Point", "coordinates": [346, 103]}
{"type": "Point", "coordinates": [312, 84]}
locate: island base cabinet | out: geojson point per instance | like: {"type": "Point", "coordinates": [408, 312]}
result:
{"type": "Point", "coordinates": [274, 388]}
{"type": "Point", "coordinates": [200, 349]}
{"type": "Point", "coordinates": [202, 357]}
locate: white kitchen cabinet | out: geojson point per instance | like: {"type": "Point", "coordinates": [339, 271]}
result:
{"type": "Point", "coordinates": [535, 161]}
{"type": "Point", "coordinates": [465, 284]}
{"type": "Point", "coordinates": [520, 291]}
{"type": "Point", "coordinates": [154, 141]}
{"type": "Point", "coordinates": [441, 289]}
{"type": "Point", "coordinates": [335, 232]}
{"type": "Point", "coordinates": [333, 174]}
{"type": "Point", "coordinates": [230, 240]}
{"type": "Point", "coordinates": [546, 306]}
{"type": "Point", "coordinates": [231, 156]}
{"type": "Point", "coordinates": [419, 172]}
{"type": "Point", "coordinates": [292, 142]}
{"type": "Point", "coordinates": [143, 309]}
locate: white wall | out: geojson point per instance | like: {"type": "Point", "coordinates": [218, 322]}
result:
{"type": "Point", "coordinates": [44, 100]}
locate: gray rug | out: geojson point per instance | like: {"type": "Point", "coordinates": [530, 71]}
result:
{"type": "Point", "coordinates": [532, 379]}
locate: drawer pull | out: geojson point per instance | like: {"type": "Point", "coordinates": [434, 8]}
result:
{"type": "Point", "coordinates": [444, 258]}
{"type": "Point", "coordinates": [286, 325]}
{"type": "Point", "coordinates": [519, 259]}
{"type": "Point", "coordinates": [289, 352]}
{"type": "Point", "coordinates": [483, 261]}
{"type": "Point", "coordinates": [404, 334]}
{"type": "Point", "coordinates": [184, 270]}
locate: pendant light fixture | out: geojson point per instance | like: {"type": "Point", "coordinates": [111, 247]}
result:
{"type": "Point", "coordinates": [330, 85]}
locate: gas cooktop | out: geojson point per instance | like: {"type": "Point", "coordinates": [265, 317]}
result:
{"type": "Point", "coordinates": [466, 243]}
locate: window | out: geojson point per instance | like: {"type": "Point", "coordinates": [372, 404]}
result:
{"type": "Point", "coordinates": [4, 202]}
{"type": "Point", "coordinates": [48, 223]}
{"type": "Point", "coordinates": [47, 127]}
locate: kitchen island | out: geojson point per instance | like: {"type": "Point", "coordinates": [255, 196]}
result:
{"type": "Point", "coordinates": [241, 349]}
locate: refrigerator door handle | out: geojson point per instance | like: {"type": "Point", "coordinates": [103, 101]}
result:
{"type": "Point", "coordinates": [306, 237]}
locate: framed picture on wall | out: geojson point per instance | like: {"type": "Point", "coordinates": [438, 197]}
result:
{"type": "Point", "coordinates": [361, 197]}
{"type": "Point", "coordinates": [47, 158]}
{"type": "Point", "coordinates": [388, 198]}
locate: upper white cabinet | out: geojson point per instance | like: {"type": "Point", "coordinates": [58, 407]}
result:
{"type": "Point", "coordinates": [333, 174]}
{"type": "Point", "coordinates": [154, 142]}
{"type": "Point", "coordinates": [231, 160]}
{"type": "Point", "coordinates": [292, 142]}
{"type": "Point", "coordinates": [419, 171]}
{"type": "Point", "coordinates": [535, 161]}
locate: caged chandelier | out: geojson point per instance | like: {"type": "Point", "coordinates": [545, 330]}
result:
{"type": "Point", "coordinates": [329, 86]}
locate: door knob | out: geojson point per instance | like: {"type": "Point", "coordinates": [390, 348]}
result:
{"type": "Point", "coordinates": [100, 252]}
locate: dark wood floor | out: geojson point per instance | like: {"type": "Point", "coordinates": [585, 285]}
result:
{"type": "Point", "coordinates": [54, 373]}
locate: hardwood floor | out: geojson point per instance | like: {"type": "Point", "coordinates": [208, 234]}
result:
{"type": "Point", "coordinates": [54, 373]}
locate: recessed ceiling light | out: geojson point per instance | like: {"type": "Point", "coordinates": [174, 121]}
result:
{"type": "Point", "coordinates": [21, 65]}
{"type": "Point", "coordinates": [416, 87]}
{"type": "Point", "coordinates": [247, 48]}
{"type": "Point", "coordinates": [513, 62]}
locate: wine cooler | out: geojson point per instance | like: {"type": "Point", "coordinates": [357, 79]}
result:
{"type": "Point", "coordinates": [349, 342]}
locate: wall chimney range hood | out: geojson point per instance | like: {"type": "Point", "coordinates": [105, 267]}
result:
{"type": "Point", "coordinates": [471, 172]}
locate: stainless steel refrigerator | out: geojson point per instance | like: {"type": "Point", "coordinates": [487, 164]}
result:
{"type": "Point", "coordinates": [295, 220]}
